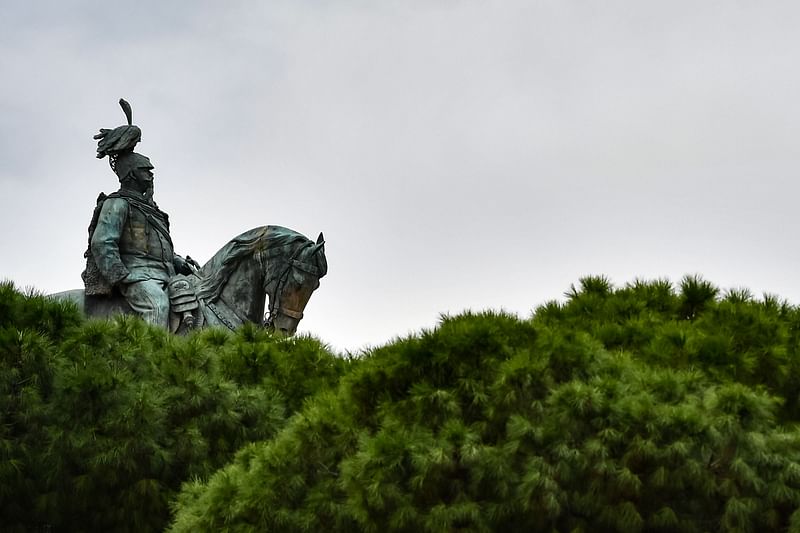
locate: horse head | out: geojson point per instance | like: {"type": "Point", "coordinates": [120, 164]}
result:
{"type": "Point", "coordinates": [269, 262]}
{"type": "Point", "coordinates": [291, 283]}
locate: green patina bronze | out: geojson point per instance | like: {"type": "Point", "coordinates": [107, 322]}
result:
{"type": "Point", "coordinates": [131, 265]}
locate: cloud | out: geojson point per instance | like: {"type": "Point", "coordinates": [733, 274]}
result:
{"type": "Point", "coordinates": [456, 154]}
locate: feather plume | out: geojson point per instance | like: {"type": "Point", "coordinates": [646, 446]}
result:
{"type": "Point", "coordinates": [126, 108]}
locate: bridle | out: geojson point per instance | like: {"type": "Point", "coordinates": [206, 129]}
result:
{"type": "Point", "coordinates": [274, 297]}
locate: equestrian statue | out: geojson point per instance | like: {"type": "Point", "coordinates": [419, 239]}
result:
{"type": "Point", "coordinates": [132, 267]}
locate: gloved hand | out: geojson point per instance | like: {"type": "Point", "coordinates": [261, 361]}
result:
{"type": "Point", "coordinates": [192, 263]}
{"type": "Point", "coordinates": [186, 266]}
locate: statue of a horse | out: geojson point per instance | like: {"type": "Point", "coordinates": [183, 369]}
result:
{"type": "Point", "coordinates": [233, 286]}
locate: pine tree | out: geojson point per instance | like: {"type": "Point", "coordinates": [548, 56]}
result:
{"type": "Point", "coordinates": [626, 409]}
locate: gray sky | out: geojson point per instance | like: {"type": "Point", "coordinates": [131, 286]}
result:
{"type": "Point", "coordinates": [456, 154]}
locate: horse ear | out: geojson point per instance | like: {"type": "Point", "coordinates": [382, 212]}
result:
{"type": "Point", "coordinates": [320, 239]}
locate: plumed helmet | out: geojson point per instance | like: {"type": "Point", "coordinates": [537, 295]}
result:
{"type": "Point", "coordinates": [129, 161]}
{"type": "Point", "coordinates": [118, 145]}
{"type": "Point", "coordinates": [117, 141]}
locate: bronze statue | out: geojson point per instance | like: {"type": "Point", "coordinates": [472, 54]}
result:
{"type": "Point", "coordinates": [129, 241]}
{"type": "Point", "coordinates": [131, 266]}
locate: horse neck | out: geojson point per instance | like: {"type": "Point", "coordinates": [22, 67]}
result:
{"type": "Point", "coordinates": [244, 291]}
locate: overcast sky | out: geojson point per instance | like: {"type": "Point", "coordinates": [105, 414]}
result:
{"type": "Point", "coordinates": [456, 154]}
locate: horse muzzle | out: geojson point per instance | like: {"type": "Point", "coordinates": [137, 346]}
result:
{"type": "Point", "coordinates": [285, 322]}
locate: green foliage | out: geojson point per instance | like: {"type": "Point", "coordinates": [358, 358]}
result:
{"type": "Point", "coordinates": [647, 407]}
{"type": "Point", "coordinates": [28, 325]}
{"type": "Point", "coordinates": [633, 409]}
{"type": "Point", "coordinates": [103, 421]}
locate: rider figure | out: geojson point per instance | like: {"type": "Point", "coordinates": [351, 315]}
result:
{"type": "Point", "coordinates": [131, 244]}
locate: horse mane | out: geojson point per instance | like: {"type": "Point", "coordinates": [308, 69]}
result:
{"type": "Point", "coordinates": [257, 241]}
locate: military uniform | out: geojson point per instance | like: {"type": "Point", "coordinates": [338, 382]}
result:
{"type": "Point", "coordinates": [133, 250]}
{"type": "Point", "coordinates": [129, 245]}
